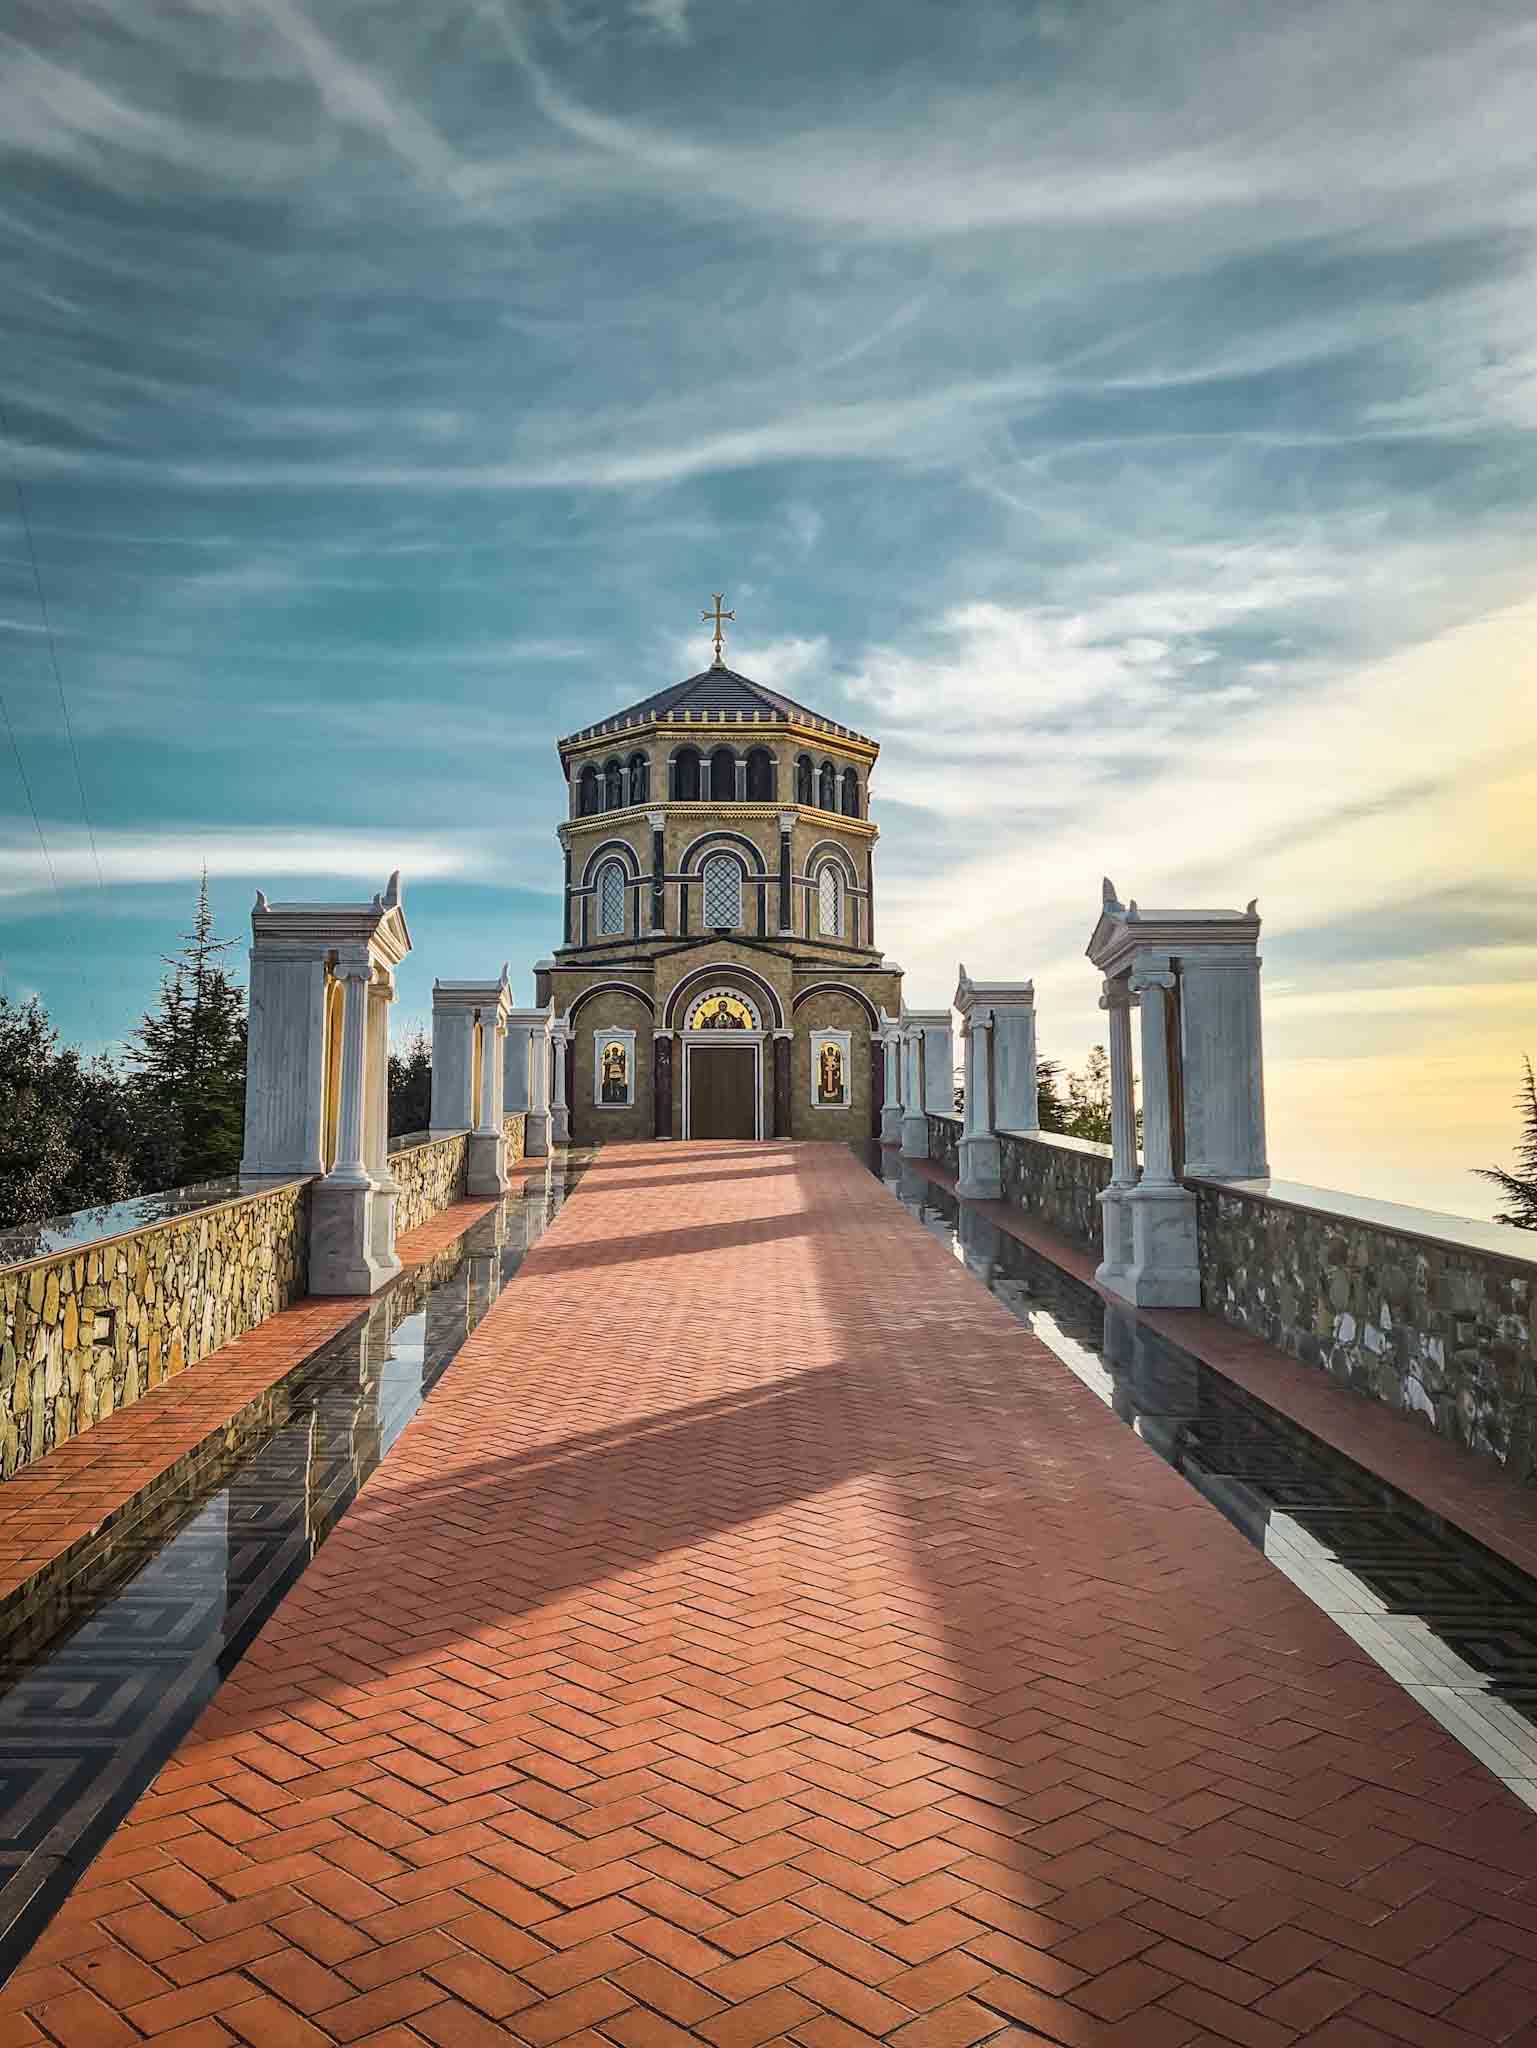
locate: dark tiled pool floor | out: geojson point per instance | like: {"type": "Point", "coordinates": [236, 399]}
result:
{"type": "Point", "coordinates": [1454, 1623]}
{"type": "Point", "coordinates": [97, 1690]}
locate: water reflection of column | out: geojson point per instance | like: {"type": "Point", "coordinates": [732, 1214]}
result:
{"type": "Point", "coordinates": [373, 1355]}
{"type": "Point", "coordinates": [978, 1241]}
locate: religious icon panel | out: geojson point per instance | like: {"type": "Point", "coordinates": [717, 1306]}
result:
{"type": "Point", "coordinates": [830, 1073]}
{"type": "Point", "coordinates": [613, 1069]}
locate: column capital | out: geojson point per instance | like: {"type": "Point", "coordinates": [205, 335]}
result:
{"type": "Point", "coordinates": [786, 821]}
{"type": "Point", "coordinates": [656, 820]}
{"type": "Point", "coordinates": [1117, 994]}
{"type": "Point", "coordinates": [1151, 977]}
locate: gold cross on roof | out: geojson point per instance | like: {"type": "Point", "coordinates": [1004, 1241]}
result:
{"type": "Point", "coordinates": [719, 617]}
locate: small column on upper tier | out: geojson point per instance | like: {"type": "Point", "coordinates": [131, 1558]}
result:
{"type": "Point", "coordinates": [317, 1057]}
{"type": "Point", "coordinates": [998, 1028]}
{"type": "Point", "coordinates": [1195, 976]}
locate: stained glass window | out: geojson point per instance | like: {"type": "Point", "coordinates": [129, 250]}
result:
{"type": "Point", "coordinates": [611, 899]}
{"type": "Point", "coordinates": [722, 892]}
{"type": "Point", "coordinates": [830, 903]}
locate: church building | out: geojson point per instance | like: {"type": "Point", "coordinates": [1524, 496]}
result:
{"type": "Point", "coordinates": [719, 975]}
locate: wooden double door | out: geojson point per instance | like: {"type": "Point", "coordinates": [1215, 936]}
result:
{"type": "Point", "coordinates": [722, 1091]}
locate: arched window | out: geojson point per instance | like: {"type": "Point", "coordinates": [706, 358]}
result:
{"type": "Point", "coordinates": [722, 879]}
{"type": "Point", "coordinates": [722, 776]}
{"type": "Point", "coordinates": [827, 792]}
{"type": "Point", "coordinates": [685, 776]}
{"type": "Point", "coordinates": [805, 780]}
{"type": "Point", "coordinates": [850, 793]}
{"type": "Point", "coordinates": [587, 798]}
{"type": "Point", "coordinates": [640, 779]}
{"type": "Point", "coordinates": [830, 902]}
{"type": "Point", "coordinates": [613, 786]}
{"type": "Point", "coordinates": [760, 776]}
{"type": "Point", "coordinates": [610, 899]}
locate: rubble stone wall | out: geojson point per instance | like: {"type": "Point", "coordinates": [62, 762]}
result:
{"type": "Point", "coordinates": [429, 1175]}
{"type": "Point", "coordinates": [87, 1331]}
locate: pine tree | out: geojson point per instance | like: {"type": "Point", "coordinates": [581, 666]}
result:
{"type": "Point", "coordinates": [1520, 1188]}
{"type": "Point", "coordinates": [190, 1053]}
{"type": "Point", "coordinates": [1088, 1099]}
{"type": "Point", "coordinates": [411, 1084]}
{"type": "Point", "coordinates": [72, 1134]}
{"type": "Point", "coordinates": [1050, 1108]}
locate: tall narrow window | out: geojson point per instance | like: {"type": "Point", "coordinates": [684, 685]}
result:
{"type": "Point", "coordinates": [685, 776]}
{"type": "Point", "coordinates": [722, 877]}
{"type": "Point", "coordinates": [613, 786]}
{"type": "Point", "coordinates": [850, 793]}
{"type": "Point", "coordinates": [805, 780]}
{"type": "Point", "coordinates": [722, 776]}
{"type": "Point", "coordinates": [827, 792]}
{"type": "Point", "coordinates": [640, 779]}
{"type": "Point", "coordinates": [587, 798]}
{"type": "Point", "coordinates": [611, 900]}
{"type": "Point", "coordinates": [830, 903]}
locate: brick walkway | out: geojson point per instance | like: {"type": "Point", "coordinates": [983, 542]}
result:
{"type": "Point", "coordinates": [56, 1508]}
{"type": "Point", "coordinates": [758, 1638]}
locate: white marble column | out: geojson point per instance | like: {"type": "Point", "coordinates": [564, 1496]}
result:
{"type": "Point", "coordinates": [1165, 1268]}
{"type": "Point", "coordinates": [560, 1110]}
{"type": "Point", "coordinates": [915, 1124]}
{"type": "Point", "coordinates": [981, 1155]}
{"type": "Point", "coordinates": [351, 1169]}
{"type": "Point", "coordinates": [342, 1254]}
{"type": "Point", "coordinates": [376, 1151]}
{"type": "Point", "coordinates": [891, 1107]}
{"type": "Point", "coordinates": [527, 1078]}
{"type": "Point", "coordinates": [1117, 1003]}
{"type": "Point", "coordinates": [486, 1168]}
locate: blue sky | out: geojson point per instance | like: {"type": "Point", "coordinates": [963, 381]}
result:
{"type": "Point", "coordinates": [1126, 413]}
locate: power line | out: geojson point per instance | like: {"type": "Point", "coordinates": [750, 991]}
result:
{"type": "Point", "coordinates": [53, 657]}
{"type": "Point", "coordinates": [21, 769]}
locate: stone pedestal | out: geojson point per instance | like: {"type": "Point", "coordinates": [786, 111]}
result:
{"type": "Point", "coordinates": [344, 1239]}
{"type": "Point", "coordinates": [981, 1177]}
{"type": "Point", "coordinates": [486, 1166]}
{"type": "Point", "coordinates": [1165, 1269]}
{"type": "Point", "coordinates": [915, 1137]}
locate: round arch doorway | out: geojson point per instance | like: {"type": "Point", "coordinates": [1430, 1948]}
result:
{"type": "Point", "coordinates": [723, 1040]}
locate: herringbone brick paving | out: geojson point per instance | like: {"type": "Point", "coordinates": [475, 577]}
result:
{"type": "Point", "coordinates": [759, 1638]}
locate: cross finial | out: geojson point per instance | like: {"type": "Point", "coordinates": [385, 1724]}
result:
{"type": "Point", "coordinates": [719, 617]}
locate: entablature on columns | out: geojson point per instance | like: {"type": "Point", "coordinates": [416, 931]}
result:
{"type": "Point", "coordinates": [1125, 931]}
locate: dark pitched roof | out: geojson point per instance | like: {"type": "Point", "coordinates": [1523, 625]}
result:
{"type": "Point", "coordinates": [715, 693]}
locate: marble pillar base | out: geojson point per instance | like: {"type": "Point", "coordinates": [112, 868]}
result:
{"type": "Point", "coordinates": [891, 1124]}
{"type": "Point", "coordinates": [386, 1195]}
{"type": "Point", "coordinates": [560, 1125]}
{"type": "Point", "coordinates": [981, 1178]}
{"type": "Point", "coordinates": [915, 1137]}
{"type": "Point", "coordinates": [1165, 1270]}
{"type": "Point", "coordinates": [485, 1171]}
{"type": "Point", "coordinates": [1115, 1220]}
{"type": "Point", "coordinates": [536, 1133]}
{"type": "Point", "coordinates": [343, 1236]}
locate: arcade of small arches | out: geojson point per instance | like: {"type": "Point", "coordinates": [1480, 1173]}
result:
{"type": "Point", "coordinates": [723, 774]}
{"type": "Point", "coordinates": [724, 884]}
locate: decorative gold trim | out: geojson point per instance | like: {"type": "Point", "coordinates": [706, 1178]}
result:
{"type": "Point", "coordinates": [855, 743]}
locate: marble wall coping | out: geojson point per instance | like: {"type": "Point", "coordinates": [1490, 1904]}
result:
{"type": "Point", "coordinates": [257, 1190]}
{"type": "Point", "coordinates": [1089, 1146]}
{"type": "Point", "coordinates": [1427, 1226]}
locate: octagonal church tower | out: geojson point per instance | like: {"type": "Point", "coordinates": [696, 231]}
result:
{"type": "Point", "coordinates": [719, 975]}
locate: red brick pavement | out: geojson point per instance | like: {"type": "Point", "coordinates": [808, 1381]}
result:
{"type": "Point", "coordinates": [758, 1638]}
{"type": "Point", "coordinates": [54, 1508]}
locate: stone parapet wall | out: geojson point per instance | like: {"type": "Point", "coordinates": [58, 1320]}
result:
{"type": "Point", "coordinates": [1058, 1179]}
{"type": "Point", "coordinates": [88, 1331]}
{"type": "Point", "coordinates": [515, 1132]}
{"type": "Point", "coordinates": [1055, 1178]}
{"type": "Point", "coordinates": [1440, 1329]}
{"type": "Point", "coordinates": [429, 1175]}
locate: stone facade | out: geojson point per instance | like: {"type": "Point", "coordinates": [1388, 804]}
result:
{"type": "Point", "coordinates": [430, 1175]}
{"type": "Point", "coordinates": [515, 1134]}
{"type": "Point", "coordinates": [88, 1331]}
{"type": "Point", "coordinates": [1438, 1329]}
{"type": "Point", "coordinates": [640, 942]}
